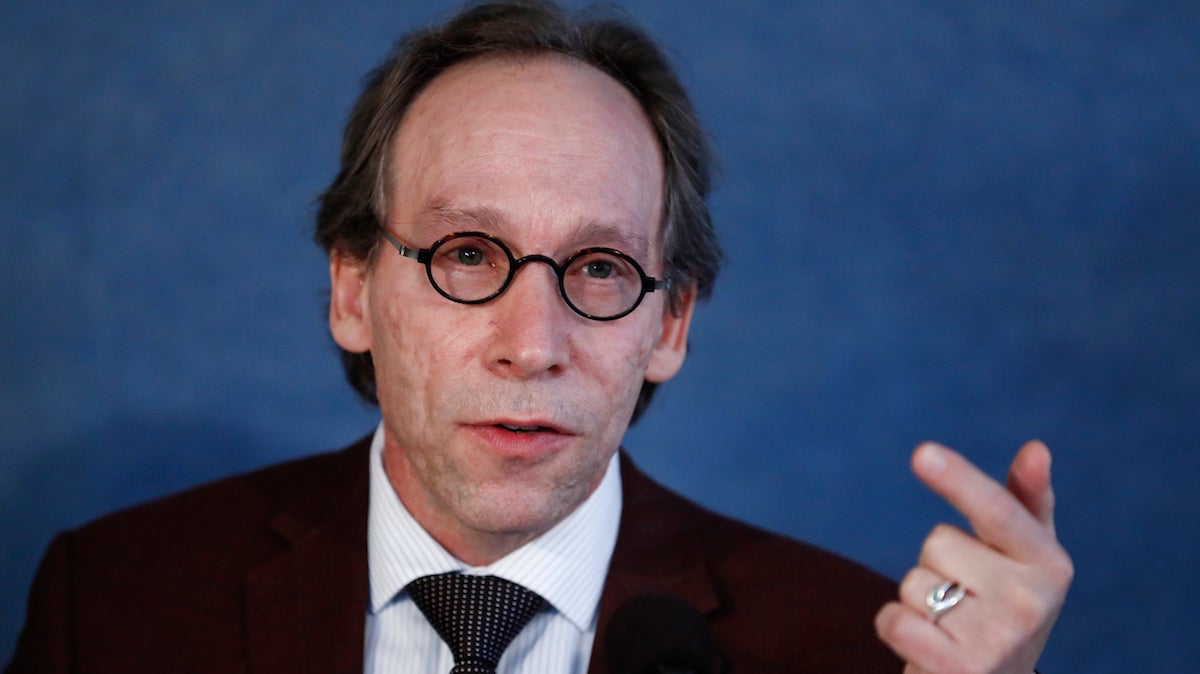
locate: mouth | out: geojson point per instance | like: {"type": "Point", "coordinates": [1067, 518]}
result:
{"type": "Point", "coordinates": [525, 439]}
{"type": "Point", "coordinates": [526, 429]}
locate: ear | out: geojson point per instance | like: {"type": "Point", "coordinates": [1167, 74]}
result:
{"type": "Point", "coordinates": [668, 354]}
{"type": "Point", "coordinates": [347, 299]}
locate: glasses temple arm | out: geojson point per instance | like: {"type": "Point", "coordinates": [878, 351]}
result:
{"type": "Point", "coordinates": [413, 253]}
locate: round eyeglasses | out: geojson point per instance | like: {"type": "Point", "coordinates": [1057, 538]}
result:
{"type": "Point", "coordinates": [602, 284]}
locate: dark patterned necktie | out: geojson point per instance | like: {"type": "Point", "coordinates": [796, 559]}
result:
{"type": "Point", "coordinates": [477, 616]}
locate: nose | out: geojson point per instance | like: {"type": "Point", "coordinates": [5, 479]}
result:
{"type": "Point", "coordinates": [532, 325]}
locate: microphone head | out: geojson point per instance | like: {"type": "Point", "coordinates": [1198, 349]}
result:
{"type": "Point", "coordinates": [657, 634]}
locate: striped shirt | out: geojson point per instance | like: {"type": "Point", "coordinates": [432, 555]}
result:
{"type": "Point", "coordinates": [566, 565]}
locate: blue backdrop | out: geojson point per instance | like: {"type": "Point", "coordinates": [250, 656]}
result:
{"type": "Point", "coordinates": [974, 222]}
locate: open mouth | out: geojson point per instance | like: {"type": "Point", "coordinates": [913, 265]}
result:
{"type": "Point", "coordinates": [526, 429]}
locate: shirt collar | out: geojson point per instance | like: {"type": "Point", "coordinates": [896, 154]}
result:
{"type": "Point", "coordinates": [566, 565]}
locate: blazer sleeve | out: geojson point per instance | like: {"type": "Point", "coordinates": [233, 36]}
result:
{"type": "Point", "coordinates": [45, 641]}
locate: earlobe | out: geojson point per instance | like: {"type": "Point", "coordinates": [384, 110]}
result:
{"type": "Point", "coordinates": [348, 321]}
{"type": "Point", "coordinates": [668, 355]}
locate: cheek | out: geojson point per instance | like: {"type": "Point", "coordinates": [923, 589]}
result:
{"type": "Point", "coordinates": [408, 348]}
{"type": "Point", "coordinates": [649, 332]}
{"type": "Point", "coordinates": [626, 356]}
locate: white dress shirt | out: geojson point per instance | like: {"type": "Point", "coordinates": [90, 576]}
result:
{"type": "Point", "coordinates": [566, 565]}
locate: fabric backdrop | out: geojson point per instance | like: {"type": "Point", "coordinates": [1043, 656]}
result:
{"type": "Point", "coordinates": [968, 221]}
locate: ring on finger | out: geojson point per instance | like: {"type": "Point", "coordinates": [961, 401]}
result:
{"type": "Point", "coordinates": [943, 597]}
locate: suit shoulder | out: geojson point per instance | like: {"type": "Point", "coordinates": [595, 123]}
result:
{"type": "Point", "coordinates": [767, 556]}
{"type": "Point", "coordinates": [732, 542]}
{"type": "Point", "coordinates": [778, 604]}
{"type": "Point", "coordinates": [168, 581]}
{"type": "Point", "coordinates": [306, 486]}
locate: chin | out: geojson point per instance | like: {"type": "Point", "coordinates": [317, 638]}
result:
{"type": "Point", "coordinates": [520, 512]}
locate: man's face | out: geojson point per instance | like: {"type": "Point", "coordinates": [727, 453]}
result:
{"type": "Point", "coordinates": [501, 418]}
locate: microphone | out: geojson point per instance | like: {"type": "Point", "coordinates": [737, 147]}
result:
{"type": "Point", "coordinates": [659, 634]}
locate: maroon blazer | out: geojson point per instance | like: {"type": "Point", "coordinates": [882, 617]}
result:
{"type": "Point", "coordinates": [267, 572]}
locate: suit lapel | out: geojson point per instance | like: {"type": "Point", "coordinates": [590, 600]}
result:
{"type": "Point", "coordinates": [658, 551]}
{"type": "Point", "coordinates": [306, 607]}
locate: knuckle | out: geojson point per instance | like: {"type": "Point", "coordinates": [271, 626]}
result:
{"type": "Point", "coordinates": [1062, 569]}
{"type": "Point", "coordinates": [936, 543]}
{"type": "Point", "coordinates": [912, 577]}
{"type": "Point", "coordinates": [888, 624]}
{"type": "Point", "coordinates": [913, 586]}
{"type": "Point", "coordinates": [1028, 610]}
{"type": "Point", "coordinates": [884, 624]}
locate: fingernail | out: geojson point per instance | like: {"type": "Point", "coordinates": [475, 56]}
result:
{"type": "Point", "coordinates": [931, 458]}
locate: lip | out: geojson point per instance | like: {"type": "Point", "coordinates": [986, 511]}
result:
{"type": "Point", "coordinates": [540, 425]}
{"type": "Point", "coordinates": [503, 437]}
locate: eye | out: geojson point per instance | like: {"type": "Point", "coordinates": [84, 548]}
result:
{"type": "Point", "coordinates": [469, 251]}
{"type": "Point", "coordinates": [599, 269]}
{"type": "Point", "coordinates": [469, 256]}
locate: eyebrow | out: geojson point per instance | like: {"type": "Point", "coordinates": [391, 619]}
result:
{"type": "Point", "coordinates": [440, 219]}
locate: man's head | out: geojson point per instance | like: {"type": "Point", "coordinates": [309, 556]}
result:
{"type": "Point", "coordinates": [500, 416]}
{"type": "Point", "coordinates": [356, 202]}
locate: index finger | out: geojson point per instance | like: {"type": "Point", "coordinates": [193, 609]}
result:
{"type": "Point", "coordinates": [998, 517]}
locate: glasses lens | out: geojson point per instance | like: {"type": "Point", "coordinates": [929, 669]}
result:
{"type": "Point", "coordinates": [602, 283]}
{"type": "Point", "coordinates": [469, 268]}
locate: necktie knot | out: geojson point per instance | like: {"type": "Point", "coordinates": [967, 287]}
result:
{"type": "Point", "coordinates": [477, 616]}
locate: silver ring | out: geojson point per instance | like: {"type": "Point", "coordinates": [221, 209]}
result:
{"type": "Point", "coordinates": [944, 597]}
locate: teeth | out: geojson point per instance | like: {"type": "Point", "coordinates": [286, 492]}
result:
{"type": "Point", "coordinates": [520, 429]}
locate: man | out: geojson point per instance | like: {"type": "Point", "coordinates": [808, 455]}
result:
{"type": "Point", "coordinates": [517, 240]}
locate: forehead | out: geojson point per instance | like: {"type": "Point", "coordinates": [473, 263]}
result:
{"type": "Point", "coordinates": [544, 144]}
